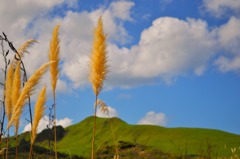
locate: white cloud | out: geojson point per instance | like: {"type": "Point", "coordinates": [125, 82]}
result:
{"type": "Point", "coordinates": [229, 35]}
{"type": "Point", "coordinates": [15, 25]}
{"type": "Point", "coordinates": [121, 9]}
{"type": "Point", "coordinates": [112, 113]}
{"type": "Point", "coordinates": [65, 122]}
{"type": "Point", "coordinates": [163, 52]}
{"type": "Point", "coordinates": [225, 64]}
{"type": "Point", "coordinates": [220, 7]}
{"type": "Point", "coordinates": [153, 118]}
{"type": "Point", "coordinates": [229, 40]}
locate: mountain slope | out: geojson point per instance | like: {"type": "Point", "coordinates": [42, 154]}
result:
{"type": "Point", "coordinates": [78, 137]}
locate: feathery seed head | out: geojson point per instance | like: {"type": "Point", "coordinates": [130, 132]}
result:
{"type": "Point", "coordinates": [16, 86]}
{"type": "Point", "coordinates": [38, 112]}
{"type": "Point", "coordinates": [8, 91]}
{"type": "Point", "coordinates": [54, 56]}
{"type": "Point", "coordinates": [98, 62]}
{"type": "Point", "coordinates": [23, 48]}
{"type": "Point", "coordinates": [102, 106]}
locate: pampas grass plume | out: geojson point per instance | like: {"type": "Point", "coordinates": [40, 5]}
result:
{"type": "Point", "coordinates": [54, 56]}
{"type": "Point", "coordinates": [16, 86]}
{"type": "Point", "coordinates": [8, 91]}
{"type": "Point", "coordinates": [23, 48]}
{"type": "Point", "coordinates": [98, 63]}
{"type": "Point", "coordinates": [38, 112]}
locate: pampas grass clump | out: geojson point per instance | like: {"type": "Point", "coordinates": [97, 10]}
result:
{"type": "Point", "coordinates": [26, 92]}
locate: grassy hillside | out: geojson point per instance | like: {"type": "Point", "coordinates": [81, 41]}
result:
{"type": "Point", "coordinates": [170, 140]}
{"type": "Point", "coordinates": [139, 140]}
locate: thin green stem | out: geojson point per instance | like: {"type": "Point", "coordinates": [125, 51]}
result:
{"type": "Point", "coordinates": [94, 128]}
{"type": "Point", "coordinates": [55, 125]}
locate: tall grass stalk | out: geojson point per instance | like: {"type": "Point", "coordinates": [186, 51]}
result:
{"type": "Point", "coordinates": [98, 68]}
{"type": "Point", "coordinates": [54, 69]}
{"type": "Point", "coordinates": [38, 114]}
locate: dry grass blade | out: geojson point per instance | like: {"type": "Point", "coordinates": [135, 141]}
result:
{"type": "Point", "coordinates": [38, 112]}
{"type": "Point", "coordinates": [8, 91]}
{"type": "Point", "coordinates": [98, 63]}
{"type": "Point", "coordinates": [27, 91]}
{"type": "Point", "coordinates": [54, 56]}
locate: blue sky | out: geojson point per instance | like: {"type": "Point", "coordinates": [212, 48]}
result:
{"type": "Point", "coordinates": [173, 63]}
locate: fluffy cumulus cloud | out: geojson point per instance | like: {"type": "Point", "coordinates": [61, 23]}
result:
{"type": "Point", "coordinates": [112, 113]}
{"type": "Point", "coordinates": [221, 7]}
{"type": "Point", "coordinates": [65, 122]}
{"type": "Point", "coordinates": [164, 51]}
{"type": "Point", "coordinates": [153, 118]}
{"type": "Point", "coordinates": [229, 39]}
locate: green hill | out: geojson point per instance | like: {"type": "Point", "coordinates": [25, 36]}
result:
{"type": "Point", "coordinates": [141, 140]}
{"type": "Point", "coordinates": [170, 140]}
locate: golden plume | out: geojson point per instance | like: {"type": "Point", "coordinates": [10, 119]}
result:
{"type": "Point", "coordinates": [16, 86]}
{"type": "Point", "coordinates": [54, 56]}
{"type": "Point", "coordinates": [38, 112]}
{"type": "Point", "coordinates": [27, 91]}
{"type": "Point", "coordinates": [98, 63]}
{"type": "Point", "coordinates": [8, 91]}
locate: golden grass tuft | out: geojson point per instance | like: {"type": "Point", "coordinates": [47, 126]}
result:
{"type": "Point", "coordinates": [27, 91]}
{"type": "Point", "coordinates": [8, 91]}
{"type": "Point", "coordinates": [98, 63]}
{"type": "Point", "coordinates": [54, 56]}
{"type": "Point", "coordinates": [38, 112]}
